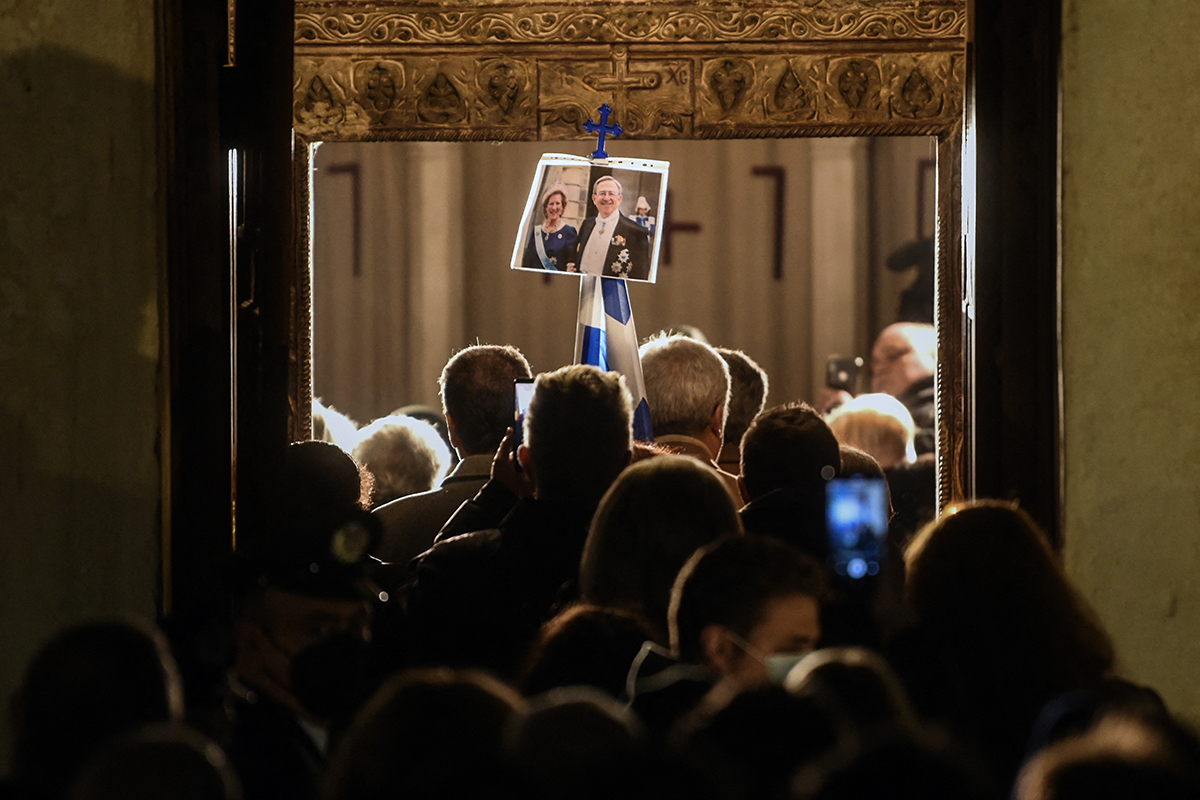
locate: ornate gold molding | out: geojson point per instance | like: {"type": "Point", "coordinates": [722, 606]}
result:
{"type": "Point", "coordinates": [503, 70]}
{"type": "Point", "coordinates": [669, 23]}
{"type": "Point", "coordinates": [705, 94]}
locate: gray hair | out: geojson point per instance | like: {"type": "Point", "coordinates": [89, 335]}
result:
{"type": "Point", "coordinates": [685, 382]}
{"type": "Point", "coordinates": [405, 455]}
{"type": "Point", "coordinates": [748, 387]}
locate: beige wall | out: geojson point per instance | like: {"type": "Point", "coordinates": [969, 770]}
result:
{"type": "Point", "coordinates": [79, 478]}
{"type": "Point", "coordinates": [1131, 338]}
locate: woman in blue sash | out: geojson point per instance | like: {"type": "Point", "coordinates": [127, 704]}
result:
{"type": "Point", "coordinates": [552, 242]}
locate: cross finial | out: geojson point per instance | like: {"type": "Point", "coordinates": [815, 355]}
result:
{"type": "Point", "coordinates": [603, 128]}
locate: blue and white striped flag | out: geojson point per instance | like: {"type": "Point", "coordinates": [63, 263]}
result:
{"type": "Point", "coordinates": [606, 338]}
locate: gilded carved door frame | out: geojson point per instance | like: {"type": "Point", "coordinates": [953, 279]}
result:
{"type": "Point", "coordinates": [507, 71]}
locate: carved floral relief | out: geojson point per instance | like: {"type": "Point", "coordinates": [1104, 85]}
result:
{"type": "Point", "coordinates": [471, 23]}
{"type": "Point", "coordinates": [551, 98]}
{"type": "Point", "coordinates": [507, 70]}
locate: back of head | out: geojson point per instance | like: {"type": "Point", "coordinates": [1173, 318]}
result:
{"type": "Point", "coordinates": [748, 387]}
{"type": "Point", "coordinates": [477, 393]}
{"type": "Point", "coordinates": [86, 686]}
{"type": "Point", "coordinates": [856, 463]}
{"type": "Point", "coordinates": [578, 429]}
{"type": "Point", "coordinates": [788, 447]}
{"type": "Point", "coordinates": [1120, 757]}
{"type": "Point", "coordinates": [417, 733]}
{"type": "Point", "coordinates": [655, 516]}
{"type": "Point", "coordinates": [585, 645]}
{"type": "Point", "coordinates": [860, 463]}
{"type": "Point", "coordinates": [877, 424]}
{"type": "Point", "coordinates": [577, 742]}
{"type": "Point", "coordinates": [900, 767]}
{"type": "Point", "coordinates": [754, 738]}
{"type": "Point", "coordinates": [730, 583]}
{"type": "Point", "coordinates": [168, 761]}
{"type": "Point", "coordinates": [319, 478]}
{"type": "Point", "coordinates": [855, 687]}
{"type": "Point", "coordinates": [686, 380]}
{"type": "Point", "coordinates": [404, 455]}
{"type": "Point", "coordinates": [963, 574]}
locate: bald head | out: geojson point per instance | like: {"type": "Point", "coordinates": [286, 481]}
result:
{"type": "Point", "coordinates": [903, 354]}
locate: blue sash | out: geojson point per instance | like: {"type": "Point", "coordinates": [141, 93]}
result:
{"type": "Point", "coordinates": [540, 246]}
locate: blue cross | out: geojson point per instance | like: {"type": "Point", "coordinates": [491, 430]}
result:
{"type": "Point", "coordinates": [603, 129]}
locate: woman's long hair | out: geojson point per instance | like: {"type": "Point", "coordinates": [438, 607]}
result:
{"type": "Point", "coordinates": [1006, 631]}
{"type": "Point", "coordinates": [983, 580]}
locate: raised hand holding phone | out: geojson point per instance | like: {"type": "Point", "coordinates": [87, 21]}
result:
{"type": "Point", "coordinates": [506, 470]}
{"type": "Point", "coordinates": [856, 517]}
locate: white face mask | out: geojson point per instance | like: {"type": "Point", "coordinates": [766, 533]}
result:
{"type": "Point", "coordinates": [778, 664]}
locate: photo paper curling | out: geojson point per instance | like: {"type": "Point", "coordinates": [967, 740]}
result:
{"type": "Point", "coordinates": [593, 217]}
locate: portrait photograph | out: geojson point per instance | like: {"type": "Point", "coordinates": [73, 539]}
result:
{"type": "Point", "coordinates": [587, 217]}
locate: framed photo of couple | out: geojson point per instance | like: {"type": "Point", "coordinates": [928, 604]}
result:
{"type": "Point", "coordinates": [593, 217]}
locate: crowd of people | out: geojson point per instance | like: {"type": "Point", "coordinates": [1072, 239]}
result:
{"type": "Point", "coordinates": [433, 610]}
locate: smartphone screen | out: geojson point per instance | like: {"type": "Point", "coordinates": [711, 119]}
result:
{"type": "Point", "coordinates": [522, 394]}
{"type": "Point", "coordinates": [856, 517]}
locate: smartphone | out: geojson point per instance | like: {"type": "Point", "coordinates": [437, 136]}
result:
{"type": "Point", "coordinates": [522, 394]}
{"type": "Point", "coordinates": [841, 372]}
{"type": "Point", "coordinates": [856, 519]}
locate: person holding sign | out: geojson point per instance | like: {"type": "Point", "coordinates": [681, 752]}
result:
{"type": "Point", "coordinates": [610, 243]}
{"type": "Point", "coordinates": [552, 243]}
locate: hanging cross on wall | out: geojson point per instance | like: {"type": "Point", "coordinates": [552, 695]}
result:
{"type": "Point", "coordinates": [604, 129]}
{"type": "Point", "coordinates": [670, 226]}
{"type": "Point", "coordinates": [778, 174]}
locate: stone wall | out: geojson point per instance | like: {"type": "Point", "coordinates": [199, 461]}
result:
{"type": "Point", "coordinates": [1131, 330]}
{"type": "Point", "coordinates": [79, 473]}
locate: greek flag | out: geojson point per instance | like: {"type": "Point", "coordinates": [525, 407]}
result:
{"type": "Point", "coordinates": [606, 338]}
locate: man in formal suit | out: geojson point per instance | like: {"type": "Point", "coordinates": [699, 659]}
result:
{"type": "Point", "coordinates": [610, 243]}
{"type": "Point", "coordinates": [477, 398]}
